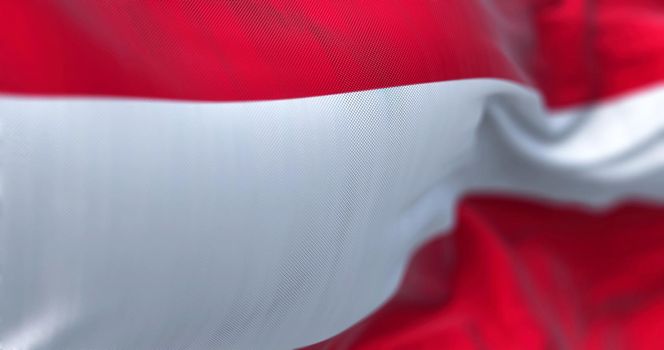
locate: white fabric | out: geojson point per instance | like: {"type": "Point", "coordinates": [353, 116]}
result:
{"type": "Point", "coordinates": [137, 224]}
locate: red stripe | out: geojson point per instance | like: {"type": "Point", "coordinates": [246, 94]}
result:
{"type": "Point", "coordinates": [245, 51]}
{"type": "Point", "coordinates": [517, 274]}
{"type": "Point", "coordinates": [242, 50]}
{"type": "Point", "coordinates": [592, 49]}
{"type": "Point", "coordinates": [575, 50]}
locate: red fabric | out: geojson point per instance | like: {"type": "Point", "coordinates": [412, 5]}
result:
{"type": "Point", "coordinates": [591, 49]}
{"type": "Point", "coordinates": [517, 274]}
{"type": "Point", "coordinates": [574, 50]}
{"type": "Point", "coordinates": [242, 50]}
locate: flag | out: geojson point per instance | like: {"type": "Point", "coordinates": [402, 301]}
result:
{"type": "Point", "coordinates": [462, 174]}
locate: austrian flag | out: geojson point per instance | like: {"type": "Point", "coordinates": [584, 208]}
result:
{"type": "Point", "coordinates": [331, 174]}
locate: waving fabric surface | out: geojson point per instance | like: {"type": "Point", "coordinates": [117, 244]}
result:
{"type": "Point", "coordinates": [353, 175]}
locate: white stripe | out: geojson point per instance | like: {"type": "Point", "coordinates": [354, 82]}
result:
{"type": "Point", "coordinates": [593, 155]}
{"type": "Point", "coordinates": [154, 224]}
